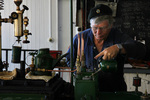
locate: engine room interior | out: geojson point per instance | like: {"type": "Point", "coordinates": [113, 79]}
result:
{"type": "Point", "coordinates": [45, 50]}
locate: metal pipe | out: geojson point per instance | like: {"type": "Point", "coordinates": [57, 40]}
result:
{"type": "Point", "coordinates": [22, 69]}
{"type": "Point", "coordinates": [6, 59]}
{"type": "Point", "coordinates": [47, 70]}
{"type": "Point", "coordinates": [71, 39]}
{"type": "Point", "coordinates": [0, 39]}
{"type": "Point", "coordinates": [63, 67]}
{"type": "Point", "coordinates": [79, 48]}
{"type": "Point", "coordinates": [78, 56]}
{"type": "Point", "coordinates": [18, 23]}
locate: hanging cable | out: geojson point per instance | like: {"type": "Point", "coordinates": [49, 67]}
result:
{"type": "Point", "coordinates": [1, 4]}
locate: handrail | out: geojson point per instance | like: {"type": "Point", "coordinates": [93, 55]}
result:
{"type": "Point", "coordinates": [24, 50]}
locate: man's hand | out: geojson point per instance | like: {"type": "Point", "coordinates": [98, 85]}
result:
{"type": "Point", "coordinates": [108, 53]}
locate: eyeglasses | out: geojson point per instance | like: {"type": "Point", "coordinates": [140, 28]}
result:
{"type": "Point", "coordinates": [101, 28]}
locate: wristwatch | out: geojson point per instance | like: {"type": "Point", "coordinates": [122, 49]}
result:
{"type": "Point", "coordinates": [120, 47]}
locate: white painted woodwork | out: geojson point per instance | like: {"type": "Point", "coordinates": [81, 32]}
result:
{"type": "Point", "coordinates": [145, 82]}
{"type": "Point", "coordinates": [47, 19]}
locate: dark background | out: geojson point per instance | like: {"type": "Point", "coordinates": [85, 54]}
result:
{"type": "Point", "coordinates": [132, 18]}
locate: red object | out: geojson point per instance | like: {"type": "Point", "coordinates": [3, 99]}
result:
{"type": "Point", "coordinates": [136, 81]}
{"type": "Point", "coordinates": [148, 63]}
{"type": "Point", "coordinates": [55, 53]}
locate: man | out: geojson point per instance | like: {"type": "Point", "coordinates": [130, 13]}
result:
{"type": "Point", "coordinates": [102, 40]}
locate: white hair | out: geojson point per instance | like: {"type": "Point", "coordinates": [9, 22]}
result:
{"type": "Point", "coordinates": [98, 20]}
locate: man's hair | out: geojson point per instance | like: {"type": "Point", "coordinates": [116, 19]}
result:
{"type": "Point", "coordinates": [98, 20]}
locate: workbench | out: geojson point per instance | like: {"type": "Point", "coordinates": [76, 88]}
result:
{"type": "Point", "coordinates": [23, 89]}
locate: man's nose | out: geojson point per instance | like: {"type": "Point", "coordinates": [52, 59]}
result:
{"type": "Point", "coordinates": [98, 31]}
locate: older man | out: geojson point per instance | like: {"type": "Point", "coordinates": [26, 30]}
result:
{"type": "Point", "coordinates": [102, 40]}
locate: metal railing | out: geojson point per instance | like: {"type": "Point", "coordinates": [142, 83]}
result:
{"type": "Point", "coordinates": [23, 50]}
{"type": "Point", "coordinates": [7, 51]}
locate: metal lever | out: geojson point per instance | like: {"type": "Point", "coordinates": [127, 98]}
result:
{"type": "Point", "coordinates": [95, 72]}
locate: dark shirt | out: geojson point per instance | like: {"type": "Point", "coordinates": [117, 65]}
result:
{"type": "Point", "coordinates": [108, 81]}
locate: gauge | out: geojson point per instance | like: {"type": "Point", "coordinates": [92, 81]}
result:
{"type": "Point", "coordinates": [14, 15]}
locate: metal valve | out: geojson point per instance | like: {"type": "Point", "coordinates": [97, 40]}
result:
{"type": "Point", "coordinates": [25, 7]}
{"type": "Point", "coordinates": [26, 32]}
{"type": "Point", "coordinates": [18, 23]}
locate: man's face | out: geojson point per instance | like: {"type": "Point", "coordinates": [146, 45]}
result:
{"type": "Point", "coordinates": [101, 30]}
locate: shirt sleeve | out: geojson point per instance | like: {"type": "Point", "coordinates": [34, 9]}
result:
{"type": "Point", "coordinates": [75, 42]}
{"type": "Point", "coordinates": [133, 48]}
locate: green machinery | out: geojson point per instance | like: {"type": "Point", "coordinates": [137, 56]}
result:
{"type": "Point", "coordinates": [86, 83]}
{"type": "Point", "coordinates": [86, 86]}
